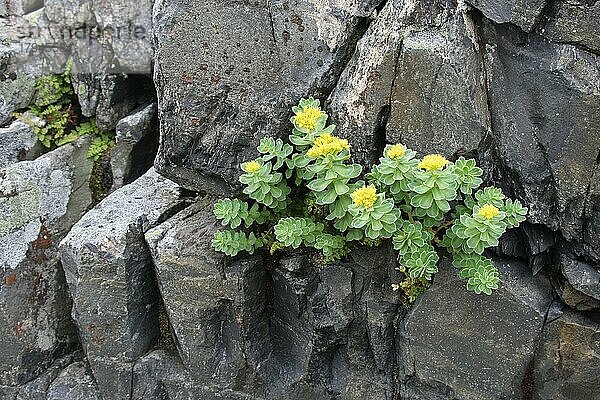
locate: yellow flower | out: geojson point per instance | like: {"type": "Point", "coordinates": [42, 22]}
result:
{"type": "Point", "coordinates": [433, 162]}
{"type": "Point", "coordinates": [365, 196]}
{"type": "Point", "coordinates": [307, 118]}
{"type": "Point", "coordinates": [252, 166]}
{"type": "Point", "coordinates": [327, 144]}
{"type": "Point", "coordinates": [488, 211]}
{"type": "Point", "coordinates": [396, 151]}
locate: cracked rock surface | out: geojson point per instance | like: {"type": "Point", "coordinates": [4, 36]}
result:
{"type": "Point", "coordinates": [136, 304]}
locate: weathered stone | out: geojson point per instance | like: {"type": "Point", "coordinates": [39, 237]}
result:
{"type": "Point", "coordinates": [40, 200]}
{"type": "Point", "coordinates": [120, 38]}
{"type": "Point", "coordinates": [280, 329]}
{"type": "Point", "coordinates": [575, 22]}
{"type": "Point", "coordinates": [15, 93]}
{"type": "Point", "coordinates": [438, 102]}
{"type": "Point", "coordinates": [457, 344]}
{"type": "Point", "coordinates": [203, 296]}
{"type": "Point", "coordinates": [119, 96]}
{"type": "Point", "coordinates": [361, 99]}
{"type": "Point", "coordinates": [591, 229]}
{"type": "Point", "coordinates": [37, 388]}
{"type": "Point", "coordinates": [18, 142]}
{"type": "Point", "coordinates": [87, 89]}
{"type": "Point", "coordinates": [111, 278]}
{"type": "Point", "coordinates": [566, 365]}
{"type": "Point", "coordinates": [136, 145]}
{"type": "Point", "coordinates": [582, 276]}
{"type": "Point", "coordinates": [576, 299]}
{"type": "Point", "coordinates": [548, 144]}
{"type": "Point", "coordinates": [524, 14]}
{"type": "Point", "coordinates": [220, 94]}
{"type": "Point", "coordinates": [416, 78]}
{"type": "Point", "coordinates": [74, 382]}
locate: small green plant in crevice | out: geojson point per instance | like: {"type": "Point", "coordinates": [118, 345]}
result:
{"type": "Point", "coordinates": [55, 119]}
{"type": "Point", "coordinates": [308, 193]}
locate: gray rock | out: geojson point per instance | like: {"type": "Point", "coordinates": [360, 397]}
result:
{"type": "Point", "coordinates": [15, 94]}
{"type": "Point", "coordinates": [583, 277]}
{"type": "Point", "coordinates": [360, 101]}
{"type": "Point", "coordinates": [524, 14]}
{"type": "Point", "coordinates": [136, 145]}
{"type": "Point", "coordinates": [575, 22]}
{"type": "Point", "coordinates": [119, 96]}
{"type": "Point", "coordinates": [74, 383]}
{"type": "Point", "coordinates": [456, 344]}
{"type": "Point", "coordinates": [438, 101]}
{"type": "Point", "coordinates": [566, 365]}
{"type": "Point", "coordinates": [416, 78]}
{"type": "Point", "coordinates": [576, 299]}
{"type": "Point", "coordinates": [203, 296]}
{"type": "Point", "coordinates": [228, 73]}
{"type": "Point", "coordinates": [87, 89]}
{"type": "Point", "coordinates": [545, 156]}
{"type": "Point", "coordinates": [121, 34]}
{"type": "Point", "coordinates": [18, 142]}
{"type": "Point", "coordinates": [37, 388]}
{"type": "Point", "coordinates": [275, 329]}
{"type": "Point", "coordinates": [111, 279]}
{"type": "Point", "coordinates": [591, 229]}
{"type": "Point", "coordinates": [40, 200]}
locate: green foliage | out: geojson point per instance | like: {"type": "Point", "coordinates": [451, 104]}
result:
{"type": "Point", "coordinates": [480, 273]}
{"type": "Point", "coordinates": [468, 175]}
{"type": "Point", "coordinates": [232, 242]}
{"type": "Point", "coordinates": [265, 186]}
{"type": "Point", "coordinates": [377, 221]}
{"type": "Point", "coordinates": [421, 263]}
{"type": "Point", "coordinates": [100, 145]}
{"type": "Point", "coordinates": [515, 213]}
{"type": "Point", "coordinates": [293, 232]}
{"type": "Point", "coordinates": [432, 192]}
{"type": "Point", "coordinates": [57, 124]}
{"type": "Point", "coordinates": [307, 194]}
{"type": "Point", "coordinates": [233, 211]}
{"type": "Point", "coordinates": [411, 237]}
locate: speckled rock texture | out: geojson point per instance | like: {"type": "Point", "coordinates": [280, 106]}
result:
{"type": "Point", "coordinates": [139, 305]}
{"type": "Point", "coordinates": [39, 202]}
{"type": "Point", "coordinates": [111, 278]}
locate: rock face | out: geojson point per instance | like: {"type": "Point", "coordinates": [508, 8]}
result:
{"type": "Point", "coordinates": [524, 14]}
{"type": "Point", "coordinates": [136, 145]}
{"type": "Point", "coordinates": [146, 309]}
{"type": "Point", "coordinates": [111, 279]}
{"type": "Point", "coordinates": [40, 200]}
{"type": "Point", "coordinates": [550, 159]}
{"type": "Point", "coordinates": [18, 143]}
{"type": "Point", "coordinates": [567, 364]}
{"type": "Point", "coordinates": [575, 22]}
{"type": "Point", "coordinates": [120, 41]}
{"type": "Point", "coordinates": [15, 93]}
{"type": "Point", "coordinates": [278, 329]}
{"type": "Point", "coordinates": [451, 338]}
{"type": "Point", "coordinates": [299, 48]}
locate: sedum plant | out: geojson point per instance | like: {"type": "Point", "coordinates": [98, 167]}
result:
{"type": "Point", "coordinates": [308, 193]}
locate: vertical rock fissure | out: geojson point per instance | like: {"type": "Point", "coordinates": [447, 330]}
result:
{"type": "Point", "coordinates": [528, 381]}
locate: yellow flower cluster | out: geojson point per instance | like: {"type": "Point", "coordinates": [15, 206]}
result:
{"type": "Point", "coordinates": [327, 144]}
{"type": "Point", "coordinates": [365, 196]}
{"type": "Point", "coordinates": [396, 151]}
{"type": "Point", "coordinates": [488, 211]}
{"type": "Point", "coordinates": [433, 162]}
{"type": "Point", "coordinates": [308, 118]}
{"type": "Point", "coordinates": [252, 166]}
